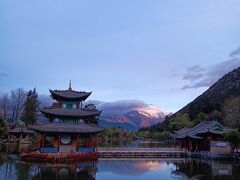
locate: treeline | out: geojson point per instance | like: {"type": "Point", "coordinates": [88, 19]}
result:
{"type": "Point", "coordinates": [116, 133]}
{"type": "Point", "coordinates": [19, 104]}
{"type": "Point", "coordinates": [163, 130]}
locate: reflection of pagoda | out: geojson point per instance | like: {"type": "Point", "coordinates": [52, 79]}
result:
{"type": "Point", "coordinates": [86, 171]}
{"type": "Point", "coordinates": [70, 132]}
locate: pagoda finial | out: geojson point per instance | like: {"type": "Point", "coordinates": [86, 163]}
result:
{"type": "Point", "coordinates": [70, 86]}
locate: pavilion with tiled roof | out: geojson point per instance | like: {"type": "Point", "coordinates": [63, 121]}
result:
{"type": "Point", "coordinates": [200, 136]}
{"type": "Point", "coordinates": [71, 127]}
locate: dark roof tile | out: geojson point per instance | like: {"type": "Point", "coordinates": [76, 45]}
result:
{"type": "Point", "coordinates": [204, 127]}
{"type": "Point", "coordinates": [78, 113]}
{"type": "Point", "coordinates": [69, 94]}
{"type": "Point", "coordinates": [67, 128]}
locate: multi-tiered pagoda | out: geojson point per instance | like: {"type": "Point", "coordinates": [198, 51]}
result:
{"type": "Point", "coordinates": [71, 128]}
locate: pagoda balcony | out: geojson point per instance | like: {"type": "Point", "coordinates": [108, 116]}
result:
{"type": "Point", "coordinates": [85, 149]}
{"type": "Point", "coordinates": [48, 150]}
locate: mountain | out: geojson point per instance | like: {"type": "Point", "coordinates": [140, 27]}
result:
{"type": "Point", "coordinates": [45, 100]}
{"type": "Point", "coordinates": [209, 102]}
{"type": "Point", "coordinates": [214, 98]}
{"type": "Point", "coordinates": [131, 121]}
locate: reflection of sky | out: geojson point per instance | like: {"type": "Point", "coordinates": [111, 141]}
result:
{"type": "Point", "coordinates": [151, 165]}
{"type": "Point", "coordinates": [149, 176]}
{"type": "Point", "coordinates": [140, 169]}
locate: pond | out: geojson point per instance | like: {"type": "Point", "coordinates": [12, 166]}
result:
{"type": "Point", "coordinates": [141, 169]}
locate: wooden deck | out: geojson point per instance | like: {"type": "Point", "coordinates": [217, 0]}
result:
{"type": "Point", "coordinates": [141, 153]}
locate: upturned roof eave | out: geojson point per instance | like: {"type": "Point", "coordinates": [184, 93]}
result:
{"type": "Point", "coordinates": [189, 137]}
{"type": "Point", "coordinates": [58, 94]}
{"type": "Point", "coordinates": [62, 128]}
{"type": "Point", "coordinates": [91, 114]}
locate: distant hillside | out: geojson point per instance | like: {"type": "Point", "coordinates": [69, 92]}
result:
{"type": "Point", "coordinates": [213, 99]}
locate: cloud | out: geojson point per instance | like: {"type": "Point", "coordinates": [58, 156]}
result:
{"type": "Point", "coordinates": [193, 76]}
{"type": "Point", "coordinates": [194, 73]}
{"type": "Point", "coordinates": [195, 68]}
{"type": "Point", "coordinates": [198, 76]}
{"type": "Point", "coordinates": [124, 106]}
{"type": "Point", "coordinates": [202, 83]}
{"type": "Point", "coordinates": [235, 52]}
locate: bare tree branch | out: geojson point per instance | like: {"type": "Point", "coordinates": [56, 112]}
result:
{"type": "Point", "coordinates": [4, 105]}
{"type": "Point", "coordinates": [17, 99]}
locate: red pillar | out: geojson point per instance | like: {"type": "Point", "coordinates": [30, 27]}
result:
{"type": "Point", "coordinates": [43, 144]}
{"type": "Point", "coordinates": [189, 145]}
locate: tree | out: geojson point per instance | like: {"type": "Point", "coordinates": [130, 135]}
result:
{"type": "Point", "coordinates": [231, 112]}
{"type": "Point", "coordinates": [17, 99]}
{"type": "Point", "coordinates": [30, 107]}
{"type": "Point", "coordinates": [144, 134]}
{"type": "Point", "coordinates": [162, 135]}
{"type": "Point", "coordinates": [4, 105]}
{"type": "Point", "coordinates": [200, 117]}
{"type": "Point", "coordinates": [233, 137]}
{"type": "Point", "coordinates": [216, 115]}
{"type": "Point", "coordinates": [2, 127]}
{"type": "Point", "coordinates": [181, 121]}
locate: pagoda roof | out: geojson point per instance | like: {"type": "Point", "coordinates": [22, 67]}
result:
{"type": "Point", "coordinates": [197, 131]}
{"type": "Point", "coordinates": [69, 95]}
{"type": "Point", "coordinates": [67, 128]}
{"type": "Point", "coordinates": [75, 113]}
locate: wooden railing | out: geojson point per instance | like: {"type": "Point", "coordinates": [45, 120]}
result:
{"type": "Point", "coordinates": [141, 153]}
{"type": "Point", "coordinates": [106, 149]}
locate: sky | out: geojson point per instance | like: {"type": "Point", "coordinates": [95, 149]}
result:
{"type": "Point", "coordinates": [162, 52]}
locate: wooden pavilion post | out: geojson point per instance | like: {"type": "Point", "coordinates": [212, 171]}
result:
{"type": "Point", "coordinates": [189, 145]}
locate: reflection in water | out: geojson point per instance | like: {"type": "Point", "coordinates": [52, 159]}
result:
{"type": "Point", "coordinates": [63, 172]}
{"type": "Point", "coordinates": [203, 169]}
{"type": "Point", "coordinates": [24, 171]}
{"type": "Point", "coordinates": [131, 167]}
{"type": "Point", "coordinates": [175, 169]}
{"type": "Point", "coordinates": [121, 169]}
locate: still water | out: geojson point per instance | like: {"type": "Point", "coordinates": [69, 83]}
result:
{"type": "Point", "coordinates": [122, 169]}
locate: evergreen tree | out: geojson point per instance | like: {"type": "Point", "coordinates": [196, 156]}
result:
{"type": "Point", "coordinates": [2, 127]}
{"type": "Point", "coordinates": [30, 107]}
{"type": "Point", "coordinates": [181, 121]}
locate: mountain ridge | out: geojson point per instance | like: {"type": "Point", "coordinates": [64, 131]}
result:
{"type": "Point", "coordinates": [214, 97]}
{"type": "Point", "coordinates": [132, 120]}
